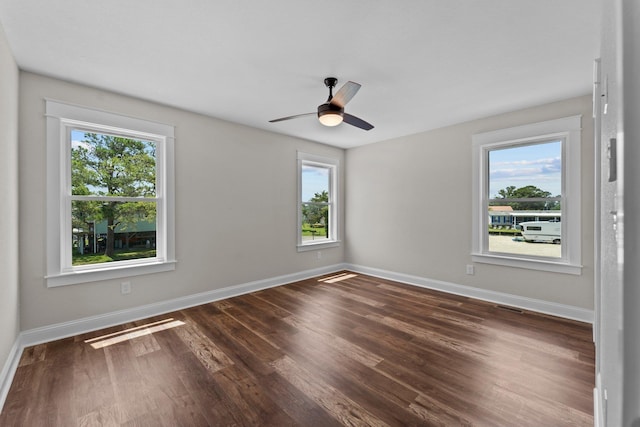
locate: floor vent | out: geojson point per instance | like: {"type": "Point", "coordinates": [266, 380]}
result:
{"type": "Point", "coordinates": [513, 309]}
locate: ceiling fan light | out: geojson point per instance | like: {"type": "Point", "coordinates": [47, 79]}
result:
{"type": "Point", "coordinates": [330, 118]}
{"type": "Point", "coordinates": [329, 114]}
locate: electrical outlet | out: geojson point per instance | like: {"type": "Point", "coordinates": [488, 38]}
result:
{"type": "Point", "coordinates": [470, 269]}
{"type": "Point", "coordinates": [125, 288]}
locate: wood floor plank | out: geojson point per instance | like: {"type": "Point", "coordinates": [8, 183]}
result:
{"type": "Point", "coordinates": [376, 393]}
{"type": "Point", "coordinates": [129, 386]}
{"type": "Point", "coordinates": [172, 399]}
{"type": "Point", "coordinates": [210, 399]}
{"type": "Point", "coordinates": [91, 378]}
{"type": "Point", "coordinates": [257, 407]}
{"type": "Point", "coordinates": [332, 400]}
{"type": "Point", "coordinates": [340, 349]}
{"type": "Point", "coordinates": [36, 353]}
{"type": "Point", "coordinates": [207, 352]}
{"type": "Point", "coordinates": [240, 344]}
{"type": "Point", "coordinates": [300, 407]}
{"type": "Point", "coordinates": [145, 342]}
{"type": "Point", "coordinates": [337, 343]}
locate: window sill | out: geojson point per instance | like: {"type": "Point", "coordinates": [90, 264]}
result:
{"type": "Point", "coordinates": [107, 273]}
{"type": "Point", "coordinates": [528, 263]}
{"type": "Point", "coordinates": [319, 245]}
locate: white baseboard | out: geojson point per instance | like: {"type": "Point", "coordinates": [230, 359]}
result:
{"type": "Point", "coordinates": [9, 370]}
{"type": "Point", "coordinates": [598, 407]}
{"type": "Point", "coordinates": [540, 306]}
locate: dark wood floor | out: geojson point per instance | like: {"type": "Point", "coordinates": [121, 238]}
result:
{"type": "Point", "coordinates": [343, 350]}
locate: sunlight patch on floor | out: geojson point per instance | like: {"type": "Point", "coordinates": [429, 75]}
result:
{"type": "Point", "coordinates": [131, 333]}
{"type": "Point", "coordinates": [338, 278]}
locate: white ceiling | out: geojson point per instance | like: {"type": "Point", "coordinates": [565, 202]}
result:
{"type": "Point", "coordinates": [423, 64]}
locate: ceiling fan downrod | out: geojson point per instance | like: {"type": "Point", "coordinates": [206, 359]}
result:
{"type": "Point", "coordinates": [330, 82]}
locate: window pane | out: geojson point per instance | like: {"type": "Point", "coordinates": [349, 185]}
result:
{"type": "Point", "coordinates": [315, 222]}
{"type": "Point", "coordinates": [525, 194]}
{"type": "Point", "coordinates": [112, 231]}
{"type": "Point", "coordinates": [536, 165]}
{"type": "Point", "coordinates": [107, 165]}
{"type": "Point", "coordinates": [315, 183]}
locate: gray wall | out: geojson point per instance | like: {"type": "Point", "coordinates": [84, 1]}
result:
{"type": "Point", "coordinates": [9, 302]}
{"type": "Point", "coordinates": [236, 207]}
{"type": "Point", "coordinates": [409, 208]}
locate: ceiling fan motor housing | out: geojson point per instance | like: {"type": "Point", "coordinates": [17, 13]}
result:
{"type": "Point", "coordinates": [329, 108]}
{"type": "Point", "coordinates": [330, 114]}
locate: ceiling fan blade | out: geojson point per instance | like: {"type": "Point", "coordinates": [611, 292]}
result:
{"type": "Point", "coordinates": [346, 92]}
{"type": "Point", "coordinates": [291, 117]}
{"type": "Point", "coordinates": [357, 122]}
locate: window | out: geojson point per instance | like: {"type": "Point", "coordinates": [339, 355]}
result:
{"type": "Point", "coordinates": [526, 196]}
{"type": "Point", "coordinates": [317, 207]}
{"type": "Point", "coordinates": [109, 195]}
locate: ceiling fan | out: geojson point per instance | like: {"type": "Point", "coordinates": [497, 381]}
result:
{"type": "Point", "coordinates": [331, 113]}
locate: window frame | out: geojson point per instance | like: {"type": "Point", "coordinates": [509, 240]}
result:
{"type": "Point", "coordinates": [568, 130]}
{"type": "Point", "coordinates": [61, 119]}
{"type": "Point", "coordinates": [334, 226]}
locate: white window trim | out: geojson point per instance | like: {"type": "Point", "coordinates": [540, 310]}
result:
{"type": "Point", "coordinates": [567, 129]}
{"type": "Point", "coordinates": [60, 118]}
{"type": "Point", "coordinates": [333, 165]}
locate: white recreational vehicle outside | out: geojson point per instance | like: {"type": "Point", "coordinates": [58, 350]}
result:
{"type": "Point", "coordinates": [541, 231]}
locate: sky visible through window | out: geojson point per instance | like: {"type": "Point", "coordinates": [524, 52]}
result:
{"type": "Point", "coordinates": [314, 180]}
{"type": "Point", "coordinates": [77, 139]}
{"type": "Point", "coordinates": [537, 164]}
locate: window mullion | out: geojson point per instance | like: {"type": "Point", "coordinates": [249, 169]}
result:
{"type": "Point", "coordinates": [113, 198]}
{"type": "Point", "coordinates": [526, 199]}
